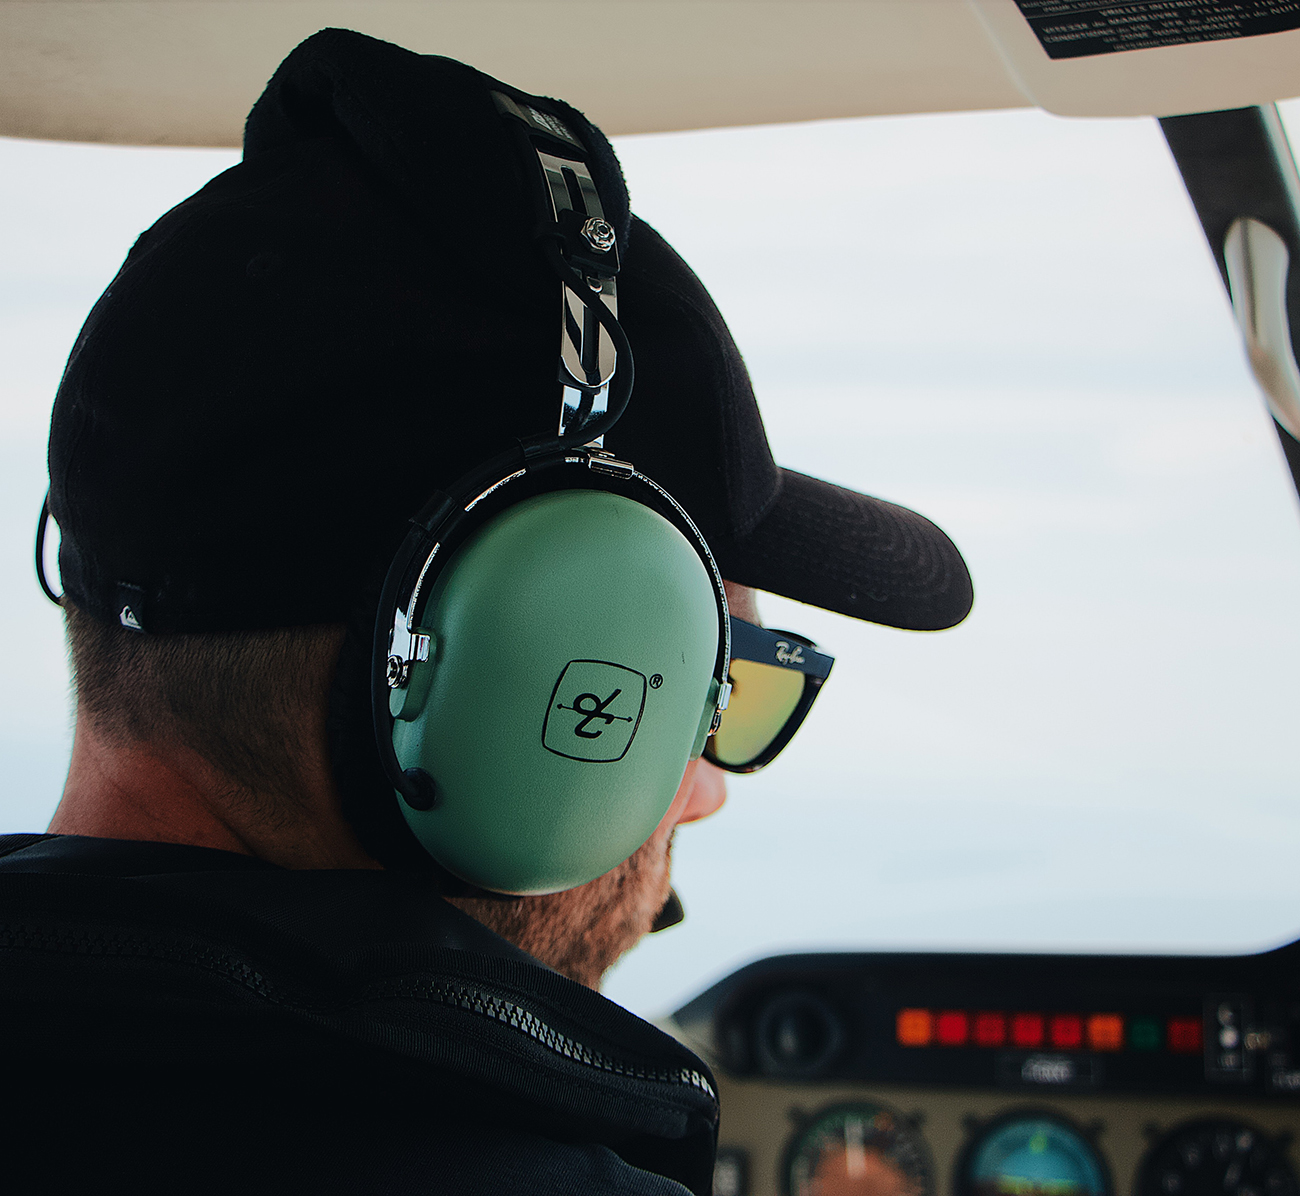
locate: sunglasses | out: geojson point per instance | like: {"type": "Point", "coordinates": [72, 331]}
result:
{"type": "Point", "coordinates": [775, 677]}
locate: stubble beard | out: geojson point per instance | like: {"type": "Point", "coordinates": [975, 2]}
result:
{"type": "Point", "coordinates": [581, 933]}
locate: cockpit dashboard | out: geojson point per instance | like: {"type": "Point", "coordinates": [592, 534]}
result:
{"type": "Point", "coordinates": [1005, 1075]}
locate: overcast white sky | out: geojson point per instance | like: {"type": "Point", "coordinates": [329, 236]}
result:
{"type": "Point", "coordinates": [1009, 321]}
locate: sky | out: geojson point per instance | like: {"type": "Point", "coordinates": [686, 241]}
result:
{"type": "Point", "coordinates": [1009, 321]}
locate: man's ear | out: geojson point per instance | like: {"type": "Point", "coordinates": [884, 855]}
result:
{"type": "Point", "coordinates": [705, 788]}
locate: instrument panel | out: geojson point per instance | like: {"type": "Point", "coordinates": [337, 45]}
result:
{"type": "Point", "coordinates": [1006, 1075]}
{"type": "Point", "coordinates": [800, 1140]}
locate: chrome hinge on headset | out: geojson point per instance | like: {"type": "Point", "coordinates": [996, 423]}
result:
{"type": "Point", "coordinates": [405, 647]}
{"type": "Point", "coordinates": [600, 460]}
{"type": "Point", "coordinates": [724, 700]}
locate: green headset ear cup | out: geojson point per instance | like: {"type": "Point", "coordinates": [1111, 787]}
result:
{"type": "Point", "coordinates": [575, 638]}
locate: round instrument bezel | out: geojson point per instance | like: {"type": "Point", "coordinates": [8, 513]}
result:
{"type": "Point", "coordinates": [904, 1126]}
{"type": "Point", "coordinates": [983, 1131]}
{"type": "Point", "coordinates": [1145, 1181]}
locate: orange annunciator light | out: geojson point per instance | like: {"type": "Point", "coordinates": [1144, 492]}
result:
{"type": "Point", "coordinates": [1106, 1032]}
{"type": "Point", "coordinates": [914, 1027]}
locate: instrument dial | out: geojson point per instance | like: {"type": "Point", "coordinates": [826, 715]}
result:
{"type": "Point", "coordinates": [862, 1149]}
{"type": "Point", "coordinates": [1216, 1157]}
{"type": "Point", "coordinates": [1031, 1153]}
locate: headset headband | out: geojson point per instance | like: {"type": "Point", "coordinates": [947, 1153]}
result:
{"type": "Point", "coordinates": [573, 224]}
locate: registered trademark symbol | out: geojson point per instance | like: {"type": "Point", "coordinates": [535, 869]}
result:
{"type": "Point", "coordinates": [656, 681]}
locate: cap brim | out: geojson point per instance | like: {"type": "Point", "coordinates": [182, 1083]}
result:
{"type": "Point", "coordinates": [848, 552]}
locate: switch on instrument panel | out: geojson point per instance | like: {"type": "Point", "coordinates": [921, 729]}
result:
{"type": "Point", "coordinates": [1243, 1037]}
{"type": "Point", "coordinates": [731, 1173]}
{"type": "Point", "coordinates": [1276, 1039]}
{"type": "Point", "coordinates": [1227, 1025]}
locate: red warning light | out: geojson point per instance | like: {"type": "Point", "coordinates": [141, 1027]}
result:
{"type": "Point", "coordinates": [1183, 1034]}
{"type": "Point", "coordinates": [990, 1029]}
{"type": "Point", "coordinates": [952, 1028]}
{"type": "Point", "coordinates": [1065, 1031]}
{"type": "Point", "coordinates": [1027, 1029]}
{"type": "Point", "coordinates": [914, 1027]}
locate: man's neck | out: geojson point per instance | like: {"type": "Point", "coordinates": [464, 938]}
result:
{"type": "Point", "coordinates": [167, 793]}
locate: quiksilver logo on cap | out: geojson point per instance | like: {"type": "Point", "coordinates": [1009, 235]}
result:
{"type": "Point", "coordinates": [594, 711]}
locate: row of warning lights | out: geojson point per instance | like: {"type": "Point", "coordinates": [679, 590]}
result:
{"type": "Point", "coordinates": [1060, 1031]}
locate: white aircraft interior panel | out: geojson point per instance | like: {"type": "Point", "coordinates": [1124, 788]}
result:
{"type": "Point", "coordinates": [1147, 57]}
{"type": "Point", "coordinates": [168, 72]}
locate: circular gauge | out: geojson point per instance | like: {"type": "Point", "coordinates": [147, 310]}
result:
{"type": "Point", "coordinates": [858, 1150]}
{"type": "Point", "coordinates": [1031, 1153]}
{"type": "Point", "coordinates": [1216, 1157]}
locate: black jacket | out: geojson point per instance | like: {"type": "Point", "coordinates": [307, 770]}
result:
{"type": "Point", "coordinates": [182, 1019]}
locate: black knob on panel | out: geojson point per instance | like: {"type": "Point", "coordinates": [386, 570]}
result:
{"type": "Point", "coordinates": [797, 1034]}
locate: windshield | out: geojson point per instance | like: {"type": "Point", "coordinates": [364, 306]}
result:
{"type": "Point", "coordinates": [1007, 320]}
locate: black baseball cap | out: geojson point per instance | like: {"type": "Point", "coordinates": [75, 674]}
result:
{"type": "Point", "coordinates": [289, 362]}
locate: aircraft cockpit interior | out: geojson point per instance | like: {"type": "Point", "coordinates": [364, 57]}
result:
{"type": "Point", "coordinates": [966, 1073]}
{"type": "Point", "coordinates": [1018, 914]}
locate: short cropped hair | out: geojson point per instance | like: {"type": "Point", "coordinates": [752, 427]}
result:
{"type": "Point", "coordinates": [247, 702]}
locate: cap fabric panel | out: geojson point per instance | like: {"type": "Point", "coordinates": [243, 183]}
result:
{"type": "Point", "coordinates": [693, 423]}
{"type": "Point", "coordinates": [848, 552]}
{"type": "Point", "coordinates": [294, 358]}
{"type": "Point", "coordinates": [428, 126]}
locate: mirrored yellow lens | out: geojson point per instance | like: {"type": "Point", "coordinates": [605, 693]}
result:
{"type": "Point", "coordinates": [763, 697]}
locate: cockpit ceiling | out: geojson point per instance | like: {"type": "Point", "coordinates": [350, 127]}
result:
{"type": "Point", "coordinates": [185, 72]}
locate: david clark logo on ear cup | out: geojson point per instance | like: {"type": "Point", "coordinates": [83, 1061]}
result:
{"type": "Point", "coordinates": [594, 711]}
